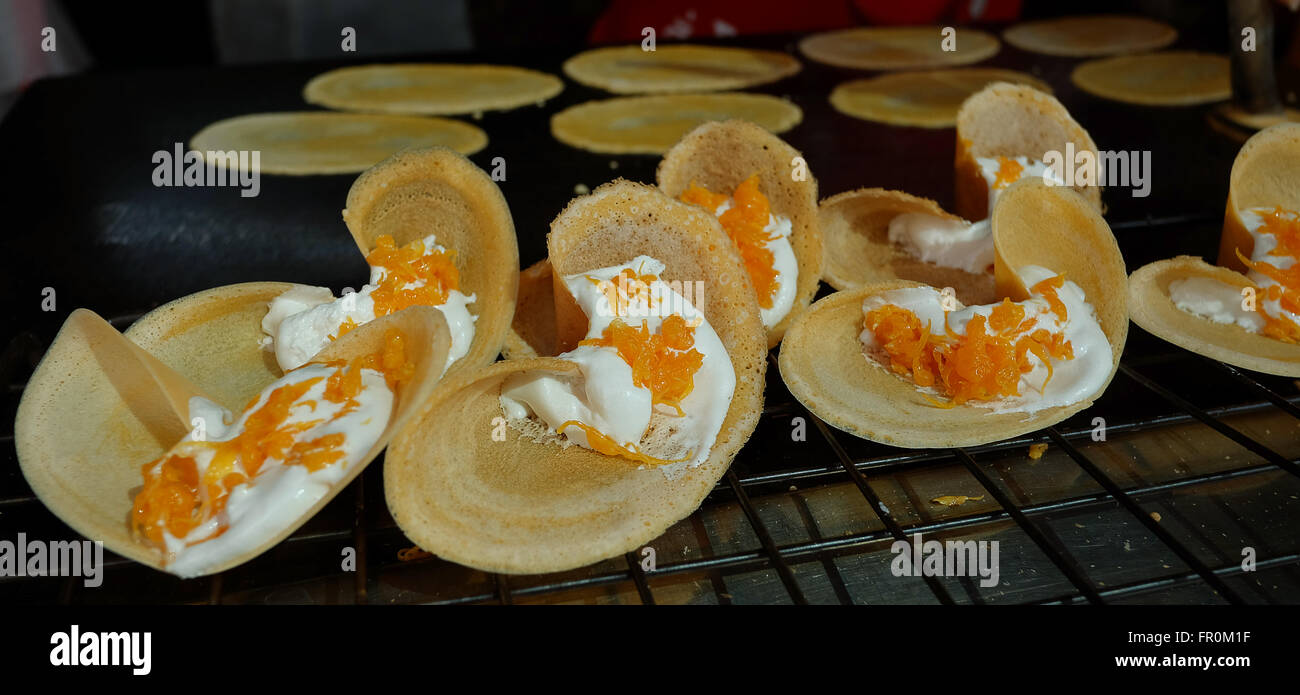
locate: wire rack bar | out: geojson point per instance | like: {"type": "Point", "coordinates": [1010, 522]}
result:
{"type": "Point", "coordinates": [877, 506]}
{"type": "Point", "coordinates": [1063, 562]}
{"type": "Point", "coordinates": [1182, 551]}
{"type": "Point", "coordinates": [765, 539]}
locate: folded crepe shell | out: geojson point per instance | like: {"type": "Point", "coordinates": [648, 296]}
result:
{"type": "Point", "coordinates": [1265, 173]}
{"type": "Point", "coordinates": [532, 331]}
{"type": "Point", "coordinates": [825, 368]}
{"type": "Point", "coordinates": [722, 154]}
{"type": "Point", "coordinates": [436, 191]}
{"type": "Point", "coordinates": [89, 420]}
{"type": "Point", "coordinates": [1009, 120]}
{"type": "Point", "coordinates": [858, 252]}
{"type": "Point", "coordinates": [1155, 312]}
{"type": "Point", "coordinates": [529, 504]}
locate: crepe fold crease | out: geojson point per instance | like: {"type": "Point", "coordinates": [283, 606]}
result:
{"type": "Point", "coordinates": [823, 363]}
{"type": "Point", "coordinates": [94, 412]}
{"type": "Point", "coordinates": [463, 486]}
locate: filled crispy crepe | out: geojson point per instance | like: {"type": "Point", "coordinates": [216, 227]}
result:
{"type": "Point", "coordinates": [720, 155]}
{"type": "Point", "coordinates": [1099, 35]}
{"type": "Point", "coordinates": [430, 89]}
{"type": "Point", "coordinates": [1264, 174]}
{"type": "Point", "coordinates": [677, 68]}
{"type": "Point", "coordinates": [652, 124]}
{"type": "Point", "coordinates": [925, 99]}
{"type": "Point", "coordinates": [467, 487]}
{"type": "Point", "coordinates": [435, 191]}
{"type": "Point", "coordinates": [1006, 120]}
{"type": "Point", "coordinates": [320, 142]}
{"type": "Point", "coordinates": [100, 406]}
{"type": "Point", "coordinates": [1167, 78]}
{"type": "Point", "coordinates": [897, 48]}
{"type": "Point", "coordinates": [855, 231]}
{"type": "Point", "coordinates": [823, 364]}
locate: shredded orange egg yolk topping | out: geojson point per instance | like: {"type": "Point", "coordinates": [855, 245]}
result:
{"type": "Point", "coordinates": [414, 276]}
{"type": "Point", "coordinates": [1284, 225]}
{"type": "Point", "coordinates": [1009, 171]}
{"type": "Point", "coordinates": [177, 499]}
{"type": "Point", "coordinates": [664, 362]}
{"type": "Point", "coordinates": [984, 364]}
{"type": "Point", "coordinates": [627, 289]}
{"type": "Point", "coordinates": [745, 222]}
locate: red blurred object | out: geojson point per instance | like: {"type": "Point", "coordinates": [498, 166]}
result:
{"type": "Point", "coordinates": [624, 20]}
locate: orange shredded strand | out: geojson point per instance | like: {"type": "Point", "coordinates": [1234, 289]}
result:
{"type": "Point", "coordinates": [1284, 225]}
{"type": "Point", "coordinates": [407, 265]}
{"type": "Point", "coordinates": [664, 362]}
{"type": "Point", "coordinates": [744, 222]}
{"type": "Point", "coordinates": [176, 499]}
{"type": "Point", "coordinates": [1009, 171]}
{"type": "Point", "coordinates": [603, 444]}
{"type": "Point", "coordinates": [984, 364]}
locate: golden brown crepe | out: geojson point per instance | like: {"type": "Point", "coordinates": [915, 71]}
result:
{"type": "Point", "coordinates": [92, 414]}
{"type": "Point", "coordinates": [1264, 175]}
{"type": "Point", "coordinates": [722, 154]}
{"type": "Point", "coordinates": [1097, 35]}
{"type": "Point", "coordinates": [1167, 78]}
{"type": "Point", "coordinates": [652, 124]}
{"type": "Point", "coordinates": [435, 191]}
{"type": "Point", "coordinates": [429, 89]}
{"type": "Point", "coordinates": [857, 250]}
{"type": "Point", "coordinates": [320, 142]}
{"type": "Point", "coordinates": [823, 363]}
{"type": "Point", "coordinates": [897, 48]}
{"type": "Point", "coordinates": [532, 331]}
{"type": "Point", "coordinates": [677, 68]}
{"type": "Point", "coordinates": [463, 485]}
{"type": "Point", "coordinates": [924, 99]}
{"type": "Point", "coordinates": [1007, 120]}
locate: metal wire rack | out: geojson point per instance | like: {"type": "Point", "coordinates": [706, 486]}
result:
{"type": "Point", "coordinates": [811, 520]}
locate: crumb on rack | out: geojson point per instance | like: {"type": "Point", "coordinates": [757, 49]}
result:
{"type": "Point", "coordinates": [581, 189]}
{"type": "Point", "coordinates": [1155, 515]}
{"type": "Point", "coordinates": [1036, 451]}
{"type": "Point", "coordinates": [955, 500]}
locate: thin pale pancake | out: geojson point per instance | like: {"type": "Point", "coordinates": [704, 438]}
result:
{"type": "Point", "coordinates": [423, 89]}
{"type": "Point", "coordinates": [823, 364]}
{"type": "Point", "coordinates": [435, 191]}
{"type": "Point", "coordinates": [678, 68]}
{"type": "Point", "coordinates": [532, 332]}
{"type": "Point", "coordinates": [1083, 37]}
{"type": "Point", "coordinates": [1009, 120]}
{"type": "Point", "coordinates": [1256, 121]}
{"type": "Point", "coordinates": [928, 99]}
{"type": "Point", "coordinates": [87, 424]}
{"type": "Point", "coordinates": [897, 48]}
{"type": "Point", "coordinates": [1169, 78]}
{"type": "Point", "coordinates": [526, 506]}
{"type": "Point", "coordinates": [855, 229]}
{"type": "Point", "coordinates": [721, 155]}
{"type": "Point", "coordinates": [653, 124]}
{"type": "Point", "coordinates": [320, 142]}
{"type": "Point", "coordinates": [1265, 174]}
{"type": "Point", "coordinates": [1155, 312]}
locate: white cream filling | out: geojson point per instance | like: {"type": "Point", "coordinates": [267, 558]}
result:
{"type": "Point", "coordinates": [605, 397]}
{"type": "Point", "coordinates": [944, 242]}
{"type": "Point", "coordinates": [1072, 380]}
{"type": "Point", "coordinates": [783, 262]}
{"type": "Point", "coordinates": [1220, 302]}
{"type": "Point", "coordinates": [989, 167]}
{"type": "Point", "coordinates": [279, 494]}
{"type": "Point", "coordinates": [299, 322]}
{"type": "Point", "coordinates": [1215, 301]}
